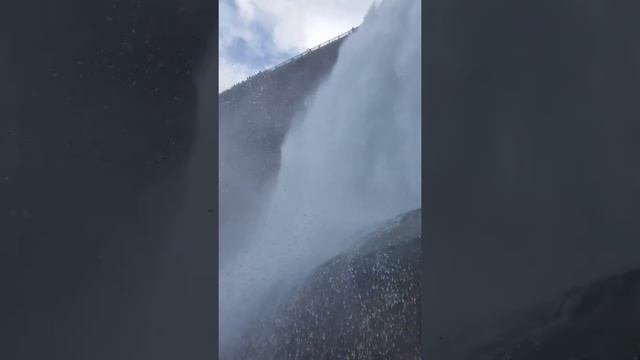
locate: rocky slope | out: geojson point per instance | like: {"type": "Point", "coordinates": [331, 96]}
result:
{"type": "Point", "coordinates": [362, 304]}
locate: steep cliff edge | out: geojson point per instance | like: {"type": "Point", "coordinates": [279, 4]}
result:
{"type": "Point", "coordinates": [254, 117]}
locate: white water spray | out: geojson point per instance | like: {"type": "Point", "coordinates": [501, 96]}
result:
{"type": "Point", "coordinates": [352, 161]}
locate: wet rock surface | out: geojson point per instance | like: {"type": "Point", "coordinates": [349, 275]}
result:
{"type": "Point", "coordinates": [362, 304]}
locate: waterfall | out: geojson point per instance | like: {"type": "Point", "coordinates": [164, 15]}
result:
{"type": "Point", "coordinates": [351, 161]}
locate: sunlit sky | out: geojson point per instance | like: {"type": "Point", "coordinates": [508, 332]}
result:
{"type": "Point", "coordinates": [257, 34]}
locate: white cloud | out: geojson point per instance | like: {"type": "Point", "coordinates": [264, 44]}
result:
{"type": "Point", "coordinates": [232, 27]}
{"type": "Point", "coordinates": [298, 25]}
{"type": "Point", "coordinates": [294, 26]}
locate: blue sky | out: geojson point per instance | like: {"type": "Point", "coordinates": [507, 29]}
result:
{"type": "Point", "coordinates": [257, 34]}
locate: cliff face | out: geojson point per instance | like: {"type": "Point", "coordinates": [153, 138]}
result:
{"type": "Point", "coordinates": [531, 156]}
{"type": "Point", "coordinates": [254, 117]}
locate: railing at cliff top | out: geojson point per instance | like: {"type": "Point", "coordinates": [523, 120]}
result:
{"type": "Point", "coordinates": [312, 49]}
{"type": "Point", "coordinates": [290, 60]}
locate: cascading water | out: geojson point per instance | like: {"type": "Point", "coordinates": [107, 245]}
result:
{"type": "Point", "coordinates": [352, 161]}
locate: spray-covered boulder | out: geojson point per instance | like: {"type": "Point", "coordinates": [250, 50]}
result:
{"type": "Point", "coordinates": [362, 304]}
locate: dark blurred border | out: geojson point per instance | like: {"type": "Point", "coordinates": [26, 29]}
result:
{"type": "Point", "coordinates": [108, 197]}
